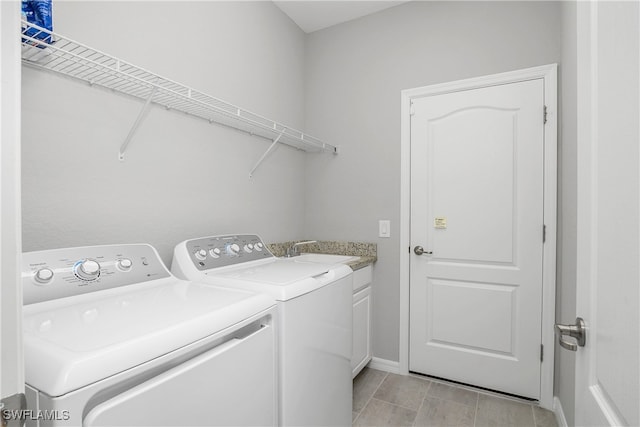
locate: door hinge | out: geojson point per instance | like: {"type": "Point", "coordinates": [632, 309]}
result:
{"type": "Point", "coordinates": [412, 110]}
{"type": "Point", "coordinates": [541, 352]}
{"type": "Point", "coordinates": [544, 115]}
{"type": "Point", "coordinates": [544, 233]}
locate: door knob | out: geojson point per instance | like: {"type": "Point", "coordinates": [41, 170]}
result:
{"type": "Point", "coordinates": [419, 250]}
{"type": "Point", "coordinates": [577, 331]}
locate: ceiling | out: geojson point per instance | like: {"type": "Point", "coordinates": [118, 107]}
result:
{"type": "Point", "coordinates": [313, 15]}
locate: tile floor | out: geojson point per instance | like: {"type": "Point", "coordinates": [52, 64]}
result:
{"type": "Point", "coordinates": [384, 399]}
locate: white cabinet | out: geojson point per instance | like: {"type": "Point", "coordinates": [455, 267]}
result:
{"type": "Point", "coordinates": [361, 355]}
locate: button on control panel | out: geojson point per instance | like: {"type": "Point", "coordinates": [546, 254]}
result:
{"type": "Point", "coordinates": [220, 251]}
{"type": "Point", "coordinates": [59, 273]}
{"type": "Point", "coordinates": [124, 264]}
{"type": "Point", "coordinates": [43, 275]}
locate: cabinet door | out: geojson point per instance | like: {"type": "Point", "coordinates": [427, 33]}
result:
{"type": "Point", "coordinates": [361, 330]}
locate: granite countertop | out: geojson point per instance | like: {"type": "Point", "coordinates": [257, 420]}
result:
{"type": "Point", "coordinates": [362, 262]}
{"type": "Point", "coordinates": [367, 252]}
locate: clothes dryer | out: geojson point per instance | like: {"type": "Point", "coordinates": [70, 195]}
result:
{"type": "Point", "coordinates": [315, 315]}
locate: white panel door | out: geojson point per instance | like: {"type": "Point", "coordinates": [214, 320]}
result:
{"type": "Point", "coordinates": [477, 210]}
{"type": "Point", "coordinates": [608, 261]}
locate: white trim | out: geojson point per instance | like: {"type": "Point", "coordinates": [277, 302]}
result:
{"type": "Point", "coordinates": [12, 361]}
{"type": "Point", "coordinates": [550, 219]}
{"type": "Point", "coordinates": [405, 229]}
{"type": "Point", "coordinates": [549, 74]}
{"type": "Point", "coordinates": [608, 408]}
{"type": "Point", "coordinates": [385, 365]}
{"type": "Point", "coordinates": [559, 413]}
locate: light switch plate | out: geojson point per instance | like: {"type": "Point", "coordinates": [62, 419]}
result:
{"type": "Point", "coordinates": [384, 228]}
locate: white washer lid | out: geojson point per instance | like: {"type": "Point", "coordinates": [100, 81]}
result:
{"type": "Point", "coordinates": [282, 279]}
{"type": "Point", "coordinates": [75, 341]}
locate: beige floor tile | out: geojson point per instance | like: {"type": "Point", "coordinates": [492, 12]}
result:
{"type": "Point", "coordinates": [455, 394]}
{"type": "Point", "coordinates": [496, 412]}
{"type": "Point", "coordinates": [403, 390]}
{"type": "Point", "coordinates": [379, 413]}
{"type": "Point", "coordinates": [382, 399]}
{"type": "Point", "coordinates": [364, 385]}
{"type": "Point", "coordinates": [436, 412]}
{"type": "Point", "coordinates": [544, 418]}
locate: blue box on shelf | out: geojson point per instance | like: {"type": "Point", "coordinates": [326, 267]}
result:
{"type": "Point", "coordinates": [37, 12]}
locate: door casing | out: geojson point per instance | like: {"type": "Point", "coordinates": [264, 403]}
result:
{"type": "Point", "coordinates": [549, 74]}
{"type": "Point", "coordinates": [12, 360]}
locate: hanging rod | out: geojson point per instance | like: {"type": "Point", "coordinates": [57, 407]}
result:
{"type": "Point", "coordinates": [73, 59]}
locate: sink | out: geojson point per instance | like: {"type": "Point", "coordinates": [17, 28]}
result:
{"type": "Point", "coordinates": [325, 258]}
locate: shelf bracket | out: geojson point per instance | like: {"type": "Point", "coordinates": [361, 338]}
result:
{"type": "Point", "coordinates": [266, 153]}
{"type": "Point", "coordinates": [134, 128]}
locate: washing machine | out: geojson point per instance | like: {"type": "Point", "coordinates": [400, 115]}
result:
{"type": "Point", "coordinates": [112, 338]}
{"type": "Point", "coordinates": [314, 311]}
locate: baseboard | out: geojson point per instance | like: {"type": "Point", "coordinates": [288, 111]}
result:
{"type": "Point", "coordinates": [557, 410]}
{"type": "Point", "coordinates": [385, 365]}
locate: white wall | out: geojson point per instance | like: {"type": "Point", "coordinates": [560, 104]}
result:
{"type": "Point", "coordinates": [182, 177]}
{"type": "Point", "coordinates": [354, 75]}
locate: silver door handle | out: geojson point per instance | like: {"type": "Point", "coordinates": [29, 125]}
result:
{"type": "Point", "coordinates": [419, 250]}
{"type": "Point", "coordinates": [577, 331]}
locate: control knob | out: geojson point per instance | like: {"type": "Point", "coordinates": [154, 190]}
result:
{"type": "Point", "coordinates": [215, 252]}
{"type": "Point", "coordinates": [44, 275]}
{"type": "Point", "coordinates": [87, 269]}
{"type": "Point", "coordinates": [233, 249]}
{"type": "Point", "coordinates": [201, 254]}
{"type": "Point", "coordinates": [124, 264]}
{"type": "Point", "coordinates": [258, 246]}
{"type": "Point", "coordinates": [248, 248]}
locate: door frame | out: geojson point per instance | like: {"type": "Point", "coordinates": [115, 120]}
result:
{"type": "Point", "coordinates": [549, 74]}
{"type": "Point", "coordinates": [12, 361]}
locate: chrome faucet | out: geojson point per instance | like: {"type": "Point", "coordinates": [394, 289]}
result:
{"type": "Point", "coordinates": [293, 249]}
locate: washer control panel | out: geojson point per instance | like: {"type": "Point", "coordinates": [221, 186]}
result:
{"type": "Point", "coordinates": [60, 273]}
{"type": "Point", "coordinates": [220, 251]}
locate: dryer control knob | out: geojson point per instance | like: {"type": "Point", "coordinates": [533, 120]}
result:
{"type": "Point", "coordinates": [258, 246]}
{"type": "Point", "coordinates": [201, 254]}
{"type": "Point", "coordinates": [124, 264]}
{"type": "Point", "coordinates": [248, 248]}
{"type": "Point", "coordinates": [215, 252]}
{"type": "Point", "coordinates": [87, 269]}
{"type": "Point", "coordinates": [233, 249]}
{"type": "Point", "coordinates": [44, 275]}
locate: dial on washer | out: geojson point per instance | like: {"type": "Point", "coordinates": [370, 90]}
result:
{"type": "Point", "coordinates": [124, 264]}
{"type": "Point", "coordinates": [44, 275]}
{"type": "Point", "coordinates": [87, 269]}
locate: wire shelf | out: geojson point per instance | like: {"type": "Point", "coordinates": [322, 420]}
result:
{"type": "Point", "coordinates": [72, 59]}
